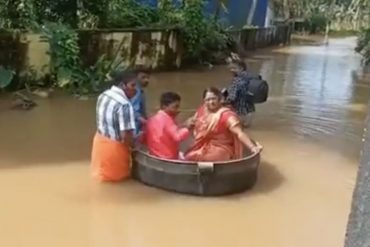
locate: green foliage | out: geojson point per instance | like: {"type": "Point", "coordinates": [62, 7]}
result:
{"type": "Point", "coordinates": [316, 23]}
{"type": "Point", "coordinates": [347, 14]}
{"type": "Point", "coordinates": [17, 14]}
{"type": "Point", "coordinates": [55, 19]}
{"type": "Point", "coordinates": [6, 77]}
{"type": "Point", "coordinates": [130, 13]}
{"type": "Point", "coordinates": [202, 35]}
{"type": "Point", "coordinates": [363, 45]}
{"type": "Point", "coordinates": [26, 14]}
{"type": "Point", "coordinates": [64, 51]}
{"type": "Point", "coordinates": [195, 28]}
{"type": "Point", "coordinates": [66, 65]}
{"type": "Point", "coordinates": [169, 14]}
{"type": "Point", "coordinates": [64, 11]}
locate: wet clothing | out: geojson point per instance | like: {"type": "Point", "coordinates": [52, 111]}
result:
{"type": "Point", "coordinates": [114, 113]}
{"type": "Point", "coordinates": [162, 136]}
{"type": "Point", "coordinates": [247, 119]}
{"type": "Point", "coordinates": [238, 95]}
{"type": "Point", "coordinates": [110, 157]}
{"type": "Point", "coordinates": [138, 104]}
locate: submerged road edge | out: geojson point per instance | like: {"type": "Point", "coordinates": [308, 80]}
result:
{"type": "Point", "coordinates": [358, 227]}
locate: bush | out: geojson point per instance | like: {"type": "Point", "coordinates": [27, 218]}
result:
{"type": "Point", "coordinates": [66, 65]}
{"type": "Point", "coordinates": [129, 13]}
{"type": "Point", "coordinates": [363, 45]}
{"type": "Point", "coordinates": [202, 35]}
{"type": "Point", "coordinates": [316, 23]}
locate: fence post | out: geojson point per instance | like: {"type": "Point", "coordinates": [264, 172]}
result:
{"type": "Point", "coordinates": [358, 228]}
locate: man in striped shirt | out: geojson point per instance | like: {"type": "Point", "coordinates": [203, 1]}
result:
{"type": "Point", "coordinates": [115, 120]}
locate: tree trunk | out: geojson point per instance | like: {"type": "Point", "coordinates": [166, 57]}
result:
{"type": "Point", "coordinates": [327, 29]}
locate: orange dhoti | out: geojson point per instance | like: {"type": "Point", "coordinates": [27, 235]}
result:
{"type": "Point", "coordinates": [110, 160]}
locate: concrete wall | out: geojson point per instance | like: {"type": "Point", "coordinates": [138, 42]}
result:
{"type": "Point", "coordinates": [154, 48]}
{"type": "Point", "coordinates": [253, 38]}
{"type": "Point", "coordinates": [157, 49]}
{"type": "Point", "coordinates": [358, 229]}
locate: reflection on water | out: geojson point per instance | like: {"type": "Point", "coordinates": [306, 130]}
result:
{"type": "Point", "coordinates": [311, 129]}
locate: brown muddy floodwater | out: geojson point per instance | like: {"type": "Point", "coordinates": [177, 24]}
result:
{"type": "Point", "coordinates": [311, 129]}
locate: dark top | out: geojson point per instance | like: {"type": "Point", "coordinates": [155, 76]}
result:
{"type": "Point", "coordinates": [239, 96]}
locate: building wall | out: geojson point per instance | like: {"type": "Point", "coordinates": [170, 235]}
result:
{"type": "Point", "coordinates": [237, 11]}
{"type": "Point", "coordinates": [260, 13]}
{"type": "Point", "coordinates": [269, 16]}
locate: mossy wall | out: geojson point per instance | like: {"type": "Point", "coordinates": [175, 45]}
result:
{"type": "Point", "coordinates": [157, 49]}
{"type": "Point", "coordinates": [253, 38]}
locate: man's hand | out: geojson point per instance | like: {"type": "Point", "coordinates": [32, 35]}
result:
{"type": "Point", "coordinates": [190, 123]}
{"type": "Point", "coordinates": [142, 120]}
{"type": "Point", "coordinates": [257, 148]}
{"type": "Point", "coordinates": [128, 137]}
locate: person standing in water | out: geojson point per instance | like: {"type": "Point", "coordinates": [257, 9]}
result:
{"type": "Point", "coordinates": [111, 151]}
{"type": "Point", "coordinates": [138, 101]}
{"type": "Point", "coordinates": [238, 95]}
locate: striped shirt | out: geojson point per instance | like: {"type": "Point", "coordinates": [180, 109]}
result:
{"type": "Point", "coordinates": [114, 113]}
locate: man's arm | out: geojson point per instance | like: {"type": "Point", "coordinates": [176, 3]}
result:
{"type": "Point", "coordinates": [176, 133]}
{"type": "Point", "coordinates": [143, 105]}
{"type": "Point", "coordinates": [235, 128]}
{"type": "Point", "coordinates": [126, 119]}
{"type": "Point", "coordinates": [232, 93]}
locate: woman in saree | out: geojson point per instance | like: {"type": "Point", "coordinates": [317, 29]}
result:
{"type": "Point", "coordinates": [218, 132]}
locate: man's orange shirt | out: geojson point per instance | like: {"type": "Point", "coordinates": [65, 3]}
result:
{"type": "Point", "coordinates": [163, 136]}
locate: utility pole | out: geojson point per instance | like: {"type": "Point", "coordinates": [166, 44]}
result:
{"type": "Point", "coordinates": [329, 16]}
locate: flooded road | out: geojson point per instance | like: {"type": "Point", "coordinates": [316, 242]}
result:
{"type": "Point", "coordinates": [311, 129]}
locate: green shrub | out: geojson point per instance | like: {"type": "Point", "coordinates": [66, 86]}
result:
{"type": "Point", "coordinates": [129, 13]}
{"type": "Point", "coordinates": [363, 45]}
{"type": "Point", "coordinates": [316, 23]}
{"type": "Point", "coordinates": [66, 64]}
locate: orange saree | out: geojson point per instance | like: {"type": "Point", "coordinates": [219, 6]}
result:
{"type": "Point", "coordinates": [213, 139]}
{"type": "Point", "coordinates": [110, 160]}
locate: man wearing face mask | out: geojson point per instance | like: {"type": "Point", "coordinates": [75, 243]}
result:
{"type": "Point", "coordinates": [162, 135]}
